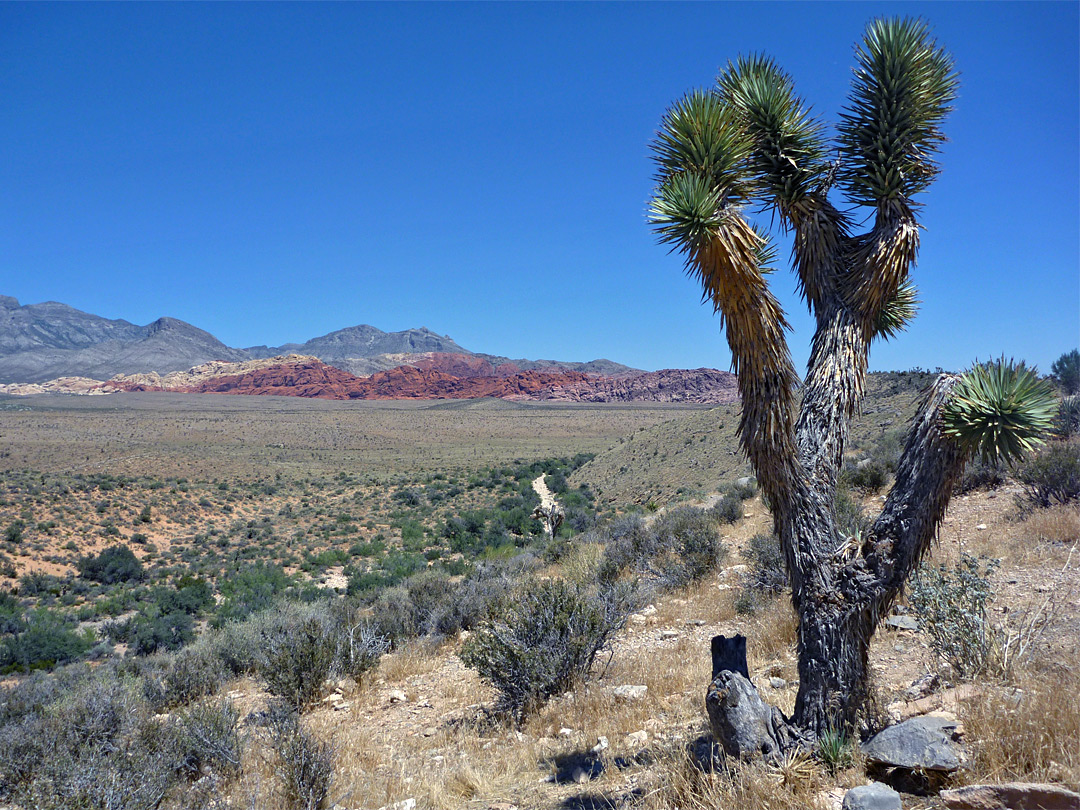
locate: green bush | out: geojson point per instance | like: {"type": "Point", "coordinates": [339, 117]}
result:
{"type": "Point", "coordinates": [951, 606]}
{"type": "Point", "coordinates": [545, 641]}
{"type": "Point", "coordinates": [296, 652]}
{"type": "Point", "coordinates": [46, 640]}
{"type": "Point", "coordinates": [688, 546]}
{"type": "Point", "coordinates": [980, 473]}
{"type": "Point", "coordinates": [867, 476]}
{"type": "Point", "coordinates": [114, 564]}
{"type": "Point", "coordinates": [249, 590]}
{"type": "Point", "coordinates": [728, 509]}
{"type": "Point", "coordinates": [208, 737]}
{"type": "Point", "coordinates": [768, 571]}
{"type": "Point", "coordinates": [1053, 474]}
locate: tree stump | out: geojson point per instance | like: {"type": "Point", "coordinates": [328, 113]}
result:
{"type": "Point", "coordinates": [744, 724]}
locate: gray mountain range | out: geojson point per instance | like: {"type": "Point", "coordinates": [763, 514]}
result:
{"type": "Point", "coordinates": [40, 342]}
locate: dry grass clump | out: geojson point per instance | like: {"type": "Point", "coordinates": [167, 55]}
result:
{"type": "Point", "coordinates": [1032, 734]}
{"type": "Point", "coordinates": [690, 778]}
{"type": "Point", "coordinates": [1058, 525]}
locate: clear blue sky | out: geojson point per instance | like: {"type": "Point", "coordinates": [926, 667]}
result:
{"type": "Point", "coordinates": [274, 172]}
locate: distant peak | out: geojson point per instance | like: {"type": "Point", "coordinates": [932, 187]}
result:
{"type": "Point", "coordinates": [8, 302]}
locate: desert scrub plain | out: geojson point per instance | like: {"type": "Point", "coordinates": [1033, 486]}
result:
{"type": "Point", "coordinates": [296, 634]}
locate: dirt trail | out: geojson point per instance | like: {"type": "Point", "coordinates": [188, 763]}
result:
{"type": "Point", "coordinates": [547, 500]}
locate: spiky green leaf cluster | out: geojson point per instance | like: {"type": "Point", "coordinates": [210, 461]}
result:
{"type": "Point", "coordinates": [701, 156]}
{"type": "Point", "coordinates": [788, 147]}
{"type": "Point", "coordinates": [901, 93]}
{"type": "Point", "coordinates": [898, 312]}
{"type": "Point", "coordinates": [1000, 410]}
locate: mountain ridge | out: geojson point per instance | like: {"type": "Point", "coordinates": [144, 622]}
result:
{"type": "Point", "coordinates": [40, 343]}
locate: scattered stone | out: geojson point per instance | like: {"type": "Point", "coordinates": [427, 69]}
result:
{"type": "Point", "coordinates": [341, 706]}
{"type": "Point", "coordinates": [601, 745]}
{"type": "Point", "coordinates": [923, 686]}
{"type": "Point", "coordinates": [745, 481]}
{"type": "Point", "coordinates": [566, 732]}
{"type": "Point", "coordinates": [981, 527]}
{"type": "Point", "coordinates": [336, 697]}
{"type": "Point", "coordinates": [502, 806]}
{"type": "Point", "coordinates": [637, 739]}
{"type": "Point", "coordinates": [922, 743]}
{"type": "Point", "coordinates": [902, 623]}
{"type": "Point", "coordinates": [1011, 796]}
{"type": "Point", "coordinates": [637, 618]}
{"type": "Point", "coordinates": [669, 634]}
{"type": "Point", "coordinates": [398, 696]}
{"type": "Point", "coordinates": [874, 796]}
{"type": "Point", "coordinates": [695, 623]}
{"type": "Point", "coordinates": [404, 804]}
{"type": "Point", "coordinates": [777, 683]}
{"type": "Point", "coordinates": [579, 775]}
{"type": "Point", "coordinates": [648, 610]}
{"type": "Point", "coordinates": [430, 731]}
{"type": "Point", "coordinates": [630, 691]}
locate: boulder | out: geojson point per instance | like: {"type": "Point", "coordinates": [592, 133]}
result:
{"type": "Point", "coordinates": [924, 743]}
{"type": "Point", "coordinates": [1011, 796]}
{"type": "Point", "coordinates": [902, 623]}
{"type": "Point", "coordinates": [635, 691]}
{"type": "Point", "coordinates": [874, 796]}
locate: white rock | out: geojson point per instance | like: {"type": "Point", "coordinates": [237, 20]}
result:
{"type": "Point", "coordinates": [665, 634]}
{"type": "Point", "coordinates": [398, 696]}
{"type": "Point", "coordinates": [566, 732]}
{"type": "Point", "coordinates": [648, 610]}
{"type": "Point", "coordinates": [630, 691]}
{"type": "Point", "coordinates": [637, 739]}
{"type": "Point", "coordinates": [981, 527]}
{"type": "Point", "coordinates": [601, 745]}
{"type": "Point", "coordinates": [404, 804]}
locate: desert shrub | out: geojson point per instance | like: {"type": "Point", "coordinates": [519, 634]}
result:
{"type": "Point", "coordinates": [687, 546]}
{"type": "Point", "coordinates": [867, 476]}
{"type": "Point", "coordinates": [980, 473]}
{"type": "Point", "coordinates": [851, 518]}
{"type": "Point", "coordinates": [155, 631]}
{"type": "Point", "coordinates": [1067, 421]}
{"type": "Point", "coordinates": [627, 544]}
{"type": "Point", "coordinates": [358, 644]}
{"type": "Point", "coordinates": [746, 489]}
{"type": "Point", "coordinates": [395, 615]}
{"type": "Point", "coordinates": [765, 557]}
{"type": "Point", "coordinates": [1066, 371]}
{"type": "Point", "coordinates": [46, 639]}
{"type": "Point", "coordinates": [249, 590]}
{"type": "Point", "coordinates": [476, 599]}
{"type": "Point", "coordinates": [90, 743]}
{"type": "Point", "coordinates": [296, 653]}
{"type": "Point", "coordinates": [306, 765]}
{"type": "Point", "coordinates": [545, 641]}
{"type": "Point", "coordinates": [236, 645]}
{"type": "Point", "coordinates": [114, 564]}
{"type": "Point", "coordinates": [728, 509]}
{"type": "Point", "coordinates": [176, 679]}
{"type": "Point", "coordinates": [208, 736]}
{"type": "Point", "coordinates": [951, 606]}
{"type": "Point", "coordinates": [1053, 474]}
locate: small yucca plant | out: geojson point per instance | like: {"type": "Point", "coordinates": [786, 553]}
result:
{"type": "Point", "coordinates": [1000, 410]}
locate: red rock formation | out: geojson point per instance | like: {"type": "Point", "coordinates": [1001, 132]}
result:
{"type": "Point", "coordinates": [461, 377]}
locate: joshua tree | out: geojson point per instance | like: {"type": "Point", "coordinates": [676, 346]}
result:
{"type": "Point", "coordinates": [749, 141]}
